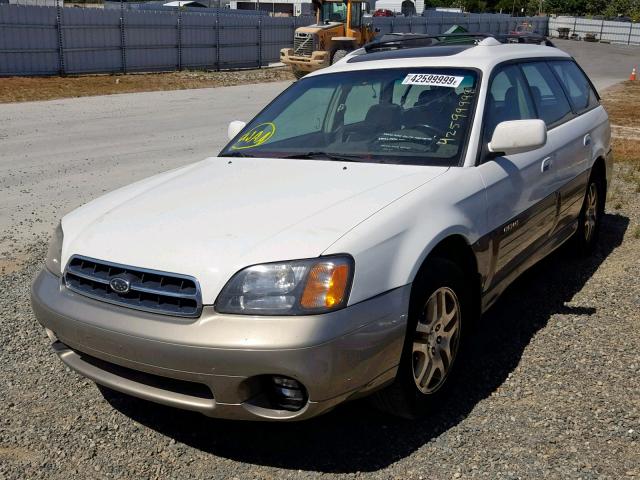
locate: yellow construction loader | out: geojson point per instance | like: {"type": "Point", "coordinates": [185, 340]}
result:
{"type": "Point", "coordinates": [340, 28]}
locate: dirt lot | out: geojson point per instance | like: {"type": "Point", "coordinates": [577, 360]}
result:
{"type": "Point", "coordinates": [622, 105]}
{"type": "Point", "coordinates": [552, 390]}
{"type": "Point", "coordinates": [23, 89]}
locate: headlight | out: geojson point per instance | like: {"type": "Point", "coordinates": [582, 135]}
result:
{"type": "Point", "coordinates": [55, 252]}
{"type": "Point", "coordinates": [297, 287]}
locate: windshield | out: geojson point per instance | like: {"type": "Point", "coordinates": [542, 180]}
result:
{"type": "Point", "coordinates": [412, 116]}
{"type": "Point", "coordinates": [334, 12]}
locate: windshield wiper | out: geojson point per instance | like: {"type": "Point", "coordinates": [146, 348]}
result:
{"type": "Point", "coordinates": [339, 157]}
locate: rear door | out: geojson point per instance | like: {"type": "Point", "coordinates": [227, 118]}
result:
{"type": "Point", "coordinates": [564, 136]}
{"type": "Point", "coordinates": [520, 188]}
{"type": "Point", "coordinates": [573, 172]}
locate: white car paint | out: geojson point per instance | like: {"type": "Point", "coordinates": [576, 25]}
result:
{"type": "Point", "coordinates": [213, 218]}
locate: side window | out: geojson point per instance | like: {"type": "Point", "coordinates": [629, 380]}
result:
{"type": "Point", "coordinates": [551, 103]}
{"type": "Point", "coordinates": [310, 106]}
{"type": "Point", "coordinates": [581, 94]}
{"type": "Point", "coordinates": [359, 100]}
{"type": "Point", "coordinates": [508, 99]}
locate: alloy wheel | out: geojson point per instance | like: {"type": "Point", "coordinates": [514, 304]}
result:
{"type": "Point", "coordinates": [436, 340]}
{"type": "Point", "coordinates": [591, 212]}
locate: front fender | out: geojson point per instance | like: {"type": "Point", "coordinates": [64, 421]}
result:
{"type": "Point", "coordinates": [390, 247]}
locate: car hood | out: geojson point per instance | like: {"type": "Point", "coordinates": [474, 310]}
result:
{"type": "Point", "coordinates": [215, 217]}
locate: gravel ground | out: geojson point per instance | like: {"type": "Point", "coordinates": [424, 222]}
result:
{"type": "Point", "coordinates": [551, 392]}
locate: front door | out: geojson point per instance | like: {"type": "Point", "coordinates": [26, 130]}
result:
{"type": "Point", "coordinates": [522, 202]}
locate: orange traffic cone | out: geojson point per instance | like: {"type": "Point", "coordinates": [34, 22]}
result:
{"type": "Point", "coordinates": [633, 73]}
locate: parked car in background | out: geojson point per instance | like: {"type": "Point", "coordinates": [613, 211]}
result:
{"type": "Point", "coordinates": [344, 243]}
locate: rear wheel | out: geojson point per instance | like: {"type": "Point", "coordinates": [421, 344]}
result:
{"type": "Point", "coordinates": [586, 236]}
{"type": "Point", "coordinates": [339, 55]}
{"type": "Point", "coordinates": [440, 310]}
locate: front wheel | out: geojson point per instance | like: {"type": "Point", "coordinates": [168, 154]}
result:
{"type": "Point", "coordinates": [339, 55]}
{"type": "Point", "coordinates": [298, 73]}
{"type": "Point", "coordinates": [439, 315]}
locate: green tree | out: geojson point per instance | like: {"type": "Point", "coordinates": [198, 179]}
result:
{"type": "Point", "coordinates": [630, 8]}
{"type": "Point", "coordinates": [570, 7]}
{"type": "Point", "coordinates": [503, 5]}
{"type": "Point", "coordinates": [596, 7]}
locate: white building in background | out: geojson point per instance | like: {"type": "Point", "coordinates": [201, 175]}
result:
{"type": "Point", "coordinates": [304, 7]}
{"type": "Point", "coordinates": [396, 6]}
{"type": "Point", "coordinates": [185, 3]}
{"type": "Point", "coordinates": [448, 10]}
{"type": "Point", "coordinates": [275, 7]}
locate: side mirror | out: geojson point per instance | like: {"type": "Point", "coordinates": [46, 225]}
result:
{"type": "Point", "coordinates": [234, 128]}
{"type": "Point", "coordinates": [518, 136]}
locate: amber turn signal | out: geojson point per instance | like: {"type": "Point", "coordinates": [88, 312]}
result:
{"type": "Point", "coordinates": [326, 285]}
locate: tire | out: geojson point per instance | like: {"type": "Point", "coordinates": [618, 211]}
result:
{"type": "Point", "coordinates": [585, 238]}
{"type": "Point", "coordinates": [299, 73]}
{"type": "Point", "coordinates": [428, 340]}
{"type": "Point", "coordinates": [339, 55]}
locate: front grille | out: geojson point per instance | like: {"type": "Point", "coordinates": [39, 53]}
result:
{"type": "Point", "coordinates": [148, 290]}
{"type": "Point", "coordinates": [303, 44]}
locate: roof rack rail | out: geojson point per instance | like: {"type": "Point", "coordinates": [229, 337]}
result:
{"type": "Point", "coordinates": [396, 41]}
{"type": "Point", "coordinates": [528, 37]}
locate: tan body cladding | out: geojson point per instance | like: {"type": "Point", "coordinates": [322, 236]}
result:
{"type": "Point", "coordinates": [339, 30]}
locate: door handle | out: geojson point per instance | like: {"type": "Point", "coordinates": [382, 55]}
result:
{"type": "Point", "coordinates": [587, 140]}
{"type": "Point", "coordinates": [546, 164]}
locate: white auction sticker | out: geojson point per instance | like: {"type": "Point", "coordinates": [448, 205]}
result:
{"type": "Point", "coordinates": [433, 80]}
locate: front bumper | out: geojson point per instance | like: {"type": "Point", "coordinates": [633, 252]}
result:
{"type": "Point", "coordinates": [171, 360]}
{"type": "Point", "coordinates": [317, 60]}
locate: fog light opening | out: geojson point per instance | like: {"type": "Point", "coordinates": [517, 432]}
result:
{"type": "Point", "coordinates": [287, 393]}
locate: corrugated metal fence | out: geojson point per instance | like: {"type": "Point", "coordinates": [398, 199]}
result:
{"type": "Point", "coordinates": [49, 41]}
{"type": "Point", "coordinates": [602, 30]}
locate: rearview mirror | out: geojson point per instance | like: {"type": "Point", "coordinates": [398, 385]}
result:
{"type": "Point", "coordinates": [518, 136]}
{"type": "Point", "coordinates": [234, 128]}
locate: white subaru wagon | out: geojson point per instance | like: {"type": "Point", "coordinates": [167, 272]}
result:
{"type": "Point", "coordinates": [345, 240]}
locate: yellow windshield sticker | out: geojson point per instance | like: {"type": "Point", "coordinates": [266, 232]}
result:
{"type": "Point", "coordinates": [256, 136]}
